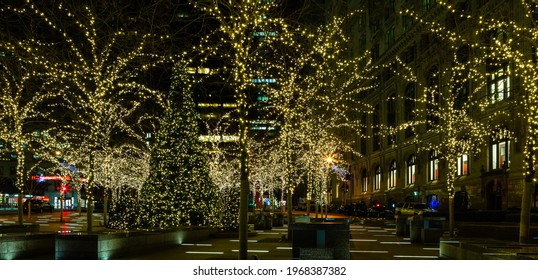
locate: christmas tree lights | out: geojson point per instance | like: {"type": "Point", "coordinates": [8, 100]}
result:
{"type": "Point", "coordinates": [23, 92]}
{"type": "Point", "coordinates": [179, 191]}
{"type": "Point", "coordinates": [236, 44]}
{"type": "Point", "coordinates": [501, 44]}
{"type": "Point", "coordinates": [97, 64]}
{"type": "Point", "coordinates": [319, 100]}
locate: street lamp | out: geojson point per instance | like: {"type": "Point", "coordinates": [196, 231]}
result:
{"type": "Point", "coordinates": [330, 162]}
{"type": "Point", "coordinates": [63, 190]}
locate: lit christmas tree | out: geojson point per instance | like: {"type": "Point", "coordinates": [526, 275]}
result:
{"type": "Point", "coordinates": [179, 191]}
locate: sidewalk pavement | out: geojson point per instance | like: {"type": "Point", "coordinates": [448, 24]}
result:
{"type": "Point", "coordinates": [476, 241]}
{"type": "Point", "coordinates": [489, 241]}
{"type": "Point", "coordinates": [485, 249]}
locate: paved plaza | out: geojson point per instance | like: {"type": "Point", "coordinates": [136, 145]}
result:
{"type": "Point", "coordinates": [371, 239]}
{"type": "Point", "coordinates": [50, 222]}
{"type": "Point", "coordinates": [367, 242]}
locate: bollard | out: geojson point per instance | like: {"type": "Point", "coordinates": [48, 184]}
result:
{"type": "Point", "coordinates": [401, 224]}
{"type": "Point", "coordinates": [415, 228]}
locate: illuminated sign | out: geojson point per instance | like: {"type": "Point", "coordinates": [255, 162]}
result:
{"type": "Point", "coordinates": [41, 178]}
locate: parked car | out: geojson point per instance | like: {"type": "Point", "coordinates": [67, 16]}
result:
{"type": "Point", "coordinates": [398, 208]}
{"type": "Point", "coordinates": [413, 208]}
{"type": "Point", "coordinates": [379, 211]}
{"type": "Point", "coordinates": [38, 206]}
{"type": "Point", "coordinates": [360, 209]}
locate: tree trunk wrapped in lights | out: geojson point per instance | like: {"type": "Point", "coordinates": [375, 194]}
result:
{"type": "Point", "coordinates": [122, 172]}
{"type": "Point", "coordinates": [505, 39]}
{"type": "Point", "coordinates": [244, 28]}
{"type": "Point", "coordinates": [23, 92]}
{"type": "Point", "coordinates": [453, 107]}
{"type": "Point", "coordinates": [97, 55]}
{"type": "Point", "coordinates": [319, 100]}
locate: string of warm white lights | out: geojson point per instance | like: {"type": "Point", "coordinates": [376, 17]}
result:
{"type": "Point", "coordinates": [122, 172]}
{"type": "Point", "coordinates": [20, 106]}
{"type": "Point", "coordinates": [179, 191]}
{"type": "Point", "coordinates": [498, 49]}
{"type": "Point", "coordinates": [244, 29]}
{"type": "Point", "coordinates": [319, 100]}
{"type": "Point", "coordinates": [97, 69]}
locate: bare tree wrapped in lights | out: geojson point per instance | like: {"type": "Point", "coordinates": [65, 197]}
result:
{"type": "Point", "coordinates": [510, 46]}
{"type": "Point", "coordinates": [124, 170]}
{"type": "Point", "coordinates": [95, 56]}
{"type": "Point", "coordinates": [446, 122]}
{"type": "Point", "coordinates": [319, 99]}
{"type": "Point", "coordinates": [243, 28]}
{"type": "Point", "coordinates": [23, 92]}
{"type": "Point", "coordinates": [224, 173]}
{"type": "Point", "coordinates": [322, 149]}
{"type": "Point", "coordinates": [496, 49]}
{"type": "Point", "coordinates": [505, 37]}
{"type": "Point", "coordinates": [267, 171]}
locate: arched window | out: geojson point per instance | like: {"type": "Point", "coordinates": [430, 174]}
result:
{"type": "Point", "coordinates": [433, 166]}
{"type": "Point", "coordinates": [392, 174]}
{"type": "Point", "coordinates": [377, 181]}
{"type": "Point", "coordinates": [411, 170]}
{"type": "Point", "coordinates": [364, 180]}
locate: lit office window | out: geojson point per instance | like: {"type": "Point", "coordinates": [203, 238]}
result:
{"type": "Point", "coordinates": [377, 181]}
{"type": "Point", "coordinates": [392, 174]}
{"type": "Point", "coordinates": [499, 83]}
{"type": "Point", "coordinates": [463, 165]}
{"type": "Point", "coordinates": [364, 181]}
{"type": "Point", "coordinates": [411, 170]}
{"type": "Point", "coordinates": [433, 166]}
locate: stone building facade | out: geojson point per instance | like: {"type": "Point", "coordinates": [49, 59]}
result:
{"type": "Point", "coordinates": [399, 166]}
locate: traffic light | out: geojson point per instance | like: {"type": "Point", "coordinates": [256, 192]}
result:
{"type": "Point", "coordinates": [63, 189]}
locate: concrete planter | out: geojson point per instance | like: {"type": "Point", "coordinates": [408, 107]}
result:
{"type": "Point", "coordinates": [320, 241]}
{"type": "Point", "coordinates": [24, 245]}
{"type": "Point", "coordinates": [19, 228]}
{"type": "Point", "coordinates": [103, 246]}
